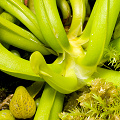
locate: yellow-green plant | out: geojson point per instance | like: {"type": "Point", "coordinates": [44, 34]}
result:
{"type": "Point", "coordinates": [79, 52]}
{"type": "Point", "coordinates": [75, 64]}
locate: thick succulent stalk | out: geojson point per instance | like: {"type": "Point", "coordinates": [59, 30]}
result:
{"type": "Point", "coordinates": [50, 105]}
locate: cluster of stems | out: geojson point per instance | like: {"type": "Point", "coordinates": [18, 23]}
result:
{"type": "Point", "coordinates": [79, 51]}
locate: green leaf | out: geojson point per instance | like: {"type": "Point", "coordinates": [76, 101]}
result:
{"type": "Point", "coordinates": [16, 66]}
{"type": "Point", "coordinates": [63, 83]}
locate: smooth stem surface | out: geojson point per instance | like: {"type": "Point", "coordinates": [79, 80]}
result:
{"type": "Point", "coordinates": [48, 32]}
{"type": "Point", "coordinates": [46, 103]}
{"type": "Point", "coordinates": [16, 36]}
{"type": "Point", "coordinates": [51, 25]}
{"type": "Point", "coordinates": [64, 8]}
{"type": "Point", "coordinates": [79, 12]}
{"type": "Point", "coordinates": [56, 24]}
{"type": "Point", "coordinates": [9, 17]}
{"type": "Point", "coordinates": [114, 9]}
{"type": "Point", "coordinates": [85, 66]}
{"type": "Point", "coordinates": [16, 66]}
{"type": "Point", "coordinates": [25, 15]}
{"type": "Point", "coordinates": [57, 106]}
{"type": "Point", "coordinates": [64, 84]}
{"type": "Point", "coordinates": [109, 75]}
{"type": "Point", "coordinates": [97, 36]}
{"type": "Point", "coordinates": [86, 32]}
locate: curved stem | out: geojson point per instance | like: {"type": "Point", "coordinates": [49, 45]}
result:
{"type": "Point", "coordinates": [64, 8]}
{"type": "Point", "coordinates": [79, 12]}
{"type": "Point", "coordinates": [16, 36]}
{"type": "Point", "coordinates": [51, 25]}
{"type": "Point", "coordinates": [9, 17]}
{"type": "Point", "coordinates": [98, 35]}
{"type": "Point", "coordinates": [109, 75]}
{"type": "Point", "coordinates": [63, 83]}
{"type": "Point", "coordinates": [16, 66]}
{"type": "Point", "coordinates": [86, 32]}
{"type": "Point", "coordinates": [25, 15]}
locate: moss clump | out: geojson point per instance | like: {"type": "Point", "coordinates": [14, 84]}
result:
{"type": "Point", "coordinates": [102, 102]}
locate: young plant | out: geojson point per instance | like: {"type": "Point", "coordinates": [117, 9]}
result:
{"type": "Point", "coordinates": [80, 51]}
{"type": "Point", "coordinates": [76, 65]}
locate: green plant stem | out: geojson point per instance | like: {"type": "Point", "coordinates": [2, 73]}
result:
{"type": "Point", "coordinates": [16, 36]}
{"type": "Point", "coordinates": [87, 65]}
{"type": "Point", "coordinates": [114, 9]}
{"type": "Point", "coordinates": [25, 15]}
{"type": "Point", "coordinates": [79, 12]}
{"type": "Point", "coordinates": [109, 75]}
{"type": "Point", "coordinates": [57, 106]}
{"type": "Point", "coordinates": [97, 38]}
{"type": "Point", "coordinates": [51, 25]}
{"type": "Point", "coordinates": [64, 7]}
{"type": "Point", "coordinates": [65, 10]}
{"type": "Point", "coordinates": [47, 104]}
{"type": "Point", "coordinates": [16, 66]}
{"type": "Point", "coordinates": [83, 66]}
{"type": "Point", "coordinates": [9, 17]}
{"type": "Point", "coordinates": [86, 32]}
{"type": "Point", "coordinates": [63, 83]}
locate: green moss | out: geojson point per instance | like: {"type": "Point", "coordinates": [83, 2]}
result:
{"type": "Point", "coordinates": [102, 102]}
